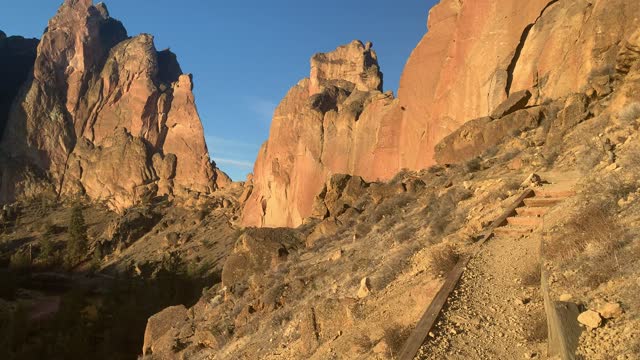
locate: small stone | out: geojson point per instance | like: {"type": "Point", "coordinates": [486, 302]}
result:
{"type": "Point", "coordinates": [530, 355]}
{"type": "Point", "coordinates": [381, 348]}
{"type": "Point", "coordinates": [365, 288]}
{"type": "Point", "coordinates": [336, 255]}
{"type": "Point", "coordinates": [566, 297]}
{"type": "Point", "coordinates": [432, 335]}
{"type": "Point", "coordinates": [590, 319]}
{"type": "Point", "coordinates": [610, 310]}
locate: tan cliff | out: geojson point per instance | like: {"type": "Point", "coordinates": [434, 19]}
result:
{"type": "Point", "coordinates": [474, 55]}
{"type": "Point", "coordinates": [95, 98]}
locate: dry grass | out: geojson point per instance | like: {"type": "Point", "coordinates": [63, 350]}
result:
{"type": "Point", "coordinates": [594, 229]}
{"type": "Point", "coordinates": [363, 342]}
{"type": "Point", "coordinates": [530, 275]}
{"type": "Point", "coordinates": [536, 331]}
{"type": "Point", "coordinates": [593, 241]}
{"type": "Point", "coordinates": [395, 337]}
{"type": "Point", "coordinates": [630, 113]}
{"type": "Point", "coordinates": [443, 257]}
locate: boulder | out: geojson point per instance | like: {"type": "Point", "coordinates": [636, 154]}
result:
{"type": "Point", "coordinates": [255, 255]}
{"type": "Point", "coordinates": [365, 288]}
{"type": "Point", "coordinates": [477, 136]}
{"type": "Point", "coordinates": [590, 319]}
{"type": "Point", "coordinates": [610, 310]}
{"type": "Point", "coordinates": [159, 325]}
{"type": "Point", "coordinates": [516, 101]}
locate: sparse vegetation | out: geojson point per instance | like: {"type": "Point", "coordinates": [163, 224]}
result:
{"type": "Point", "coordinates": [473, 165]}
{"type": "Point", "coordinates": [20, 261]}
{"type": "Point", "coordinates": [536, 331]}
{"type": "Point", "coordinates": [443, 257]}
{"type": "Point", "coordinates": [395, 336]}
{"type": "Point", "coordinates": [77, 246]}
{"type": "Point", "coordinates": [630, 113]}
{"type": "Point", "coordinates": [530, 275]}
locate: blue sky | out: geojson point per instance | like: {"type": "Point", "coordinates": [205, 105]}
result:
{"type": "Point", "coordinates": [246, 55]}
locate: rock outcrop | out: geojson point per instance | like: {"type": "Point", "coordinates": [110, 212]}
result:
{"type": "Point", "coordinates": [476, 56]}
{"type": "Point", "coordinates": [335, 122]}
{"type": "Point", "coordinates": [102, 113]}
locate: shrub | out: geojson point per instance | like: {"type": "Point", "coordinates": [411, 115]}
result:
{"type": "Point", "coordinates": [395, 337]}
{"type": "Point", "coordinates": [473, 165]}
{"type": "Point", "coordinates": [77, 247]}
{"type": "Point", "coordinates": [443, 257]}
{"type": "Point", "coordinates": [536, 330]}
{"type": "Point", "coordinates": [630, 113]}
{"type": "Point", "coordinates": [20, 261]}
{"type": "Point", "coordinates": [46, 247]}
{"type": "Point", "coordinates": [531, 275]}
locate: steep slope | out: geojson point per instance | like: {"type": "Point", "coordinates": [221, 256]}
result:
{"type": "Point", "coordinates": [475, 55]}
{"type": "Point", "coordinates": [90, 83]}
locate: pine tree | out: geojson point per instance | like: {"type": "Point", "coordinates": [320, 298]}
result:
{"type": "Point", "coordinates": [77, 249]}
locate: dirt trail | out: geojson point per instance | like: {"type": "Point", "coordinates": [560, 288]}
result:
{"type": "Point", "coordinates": [497, 310]}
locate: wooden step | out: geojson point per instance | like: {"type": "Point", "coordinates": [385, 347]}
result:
{"type": "Point", "coordinates": [554, 193]}
{"type": "Point", "coordinates": [532, 211]}
{"type": "Point", "coordinates": [515, 231]}
{"type": "Point", "coordinates": [542, 202]}
{"type": "Point", "coordinates": [525, 221]}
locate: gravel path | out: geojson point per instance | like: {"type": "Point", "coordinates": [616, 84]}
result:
{"type": "Point", "coordinates": [497, 311]}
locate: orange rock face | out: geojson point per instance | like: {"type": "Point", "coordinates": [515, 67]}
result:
{"type": "Point", "coordinates": [474, 56]}
{"type": "Point", "coordinates": [92, 84]}
{"type": "Point", "coordinates": [330, 123]}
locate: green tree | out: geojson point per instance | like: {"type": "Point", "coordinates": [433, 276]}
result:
{"type": "Point", "coordinates": [77, 248]}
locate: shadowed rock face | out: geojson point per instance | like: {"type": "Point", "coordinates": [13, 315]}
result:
{"type": "Point", "coordinates": [91, 83]}
{"type": "Point", "coordinates": [475, 56]}
{"type": "Point", "coordinates": [17, 56]}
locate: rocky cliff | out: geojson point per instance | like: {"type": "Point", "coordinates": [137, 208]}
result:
{"type": "Point", "coordinates": [105, 115]}
{"type": "Point", "coordinates": [333, 122]}
{"type": "Point", "coordinates": [474, 56]}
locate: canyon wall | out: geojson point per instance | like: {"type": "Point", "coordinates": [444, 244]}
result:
{"type": "Point", "coordinates": [474, 55]}
{"type": "Point", "coordinates": [105, 115]}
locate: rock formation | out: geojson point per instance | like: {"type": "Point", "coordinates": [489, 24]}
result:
{"type": "Point", "coordinates": [476, 56]}
{"type": "Point", "coordinates": [107, 115]}
{"type": "Point", "coordinates": [335, 122]}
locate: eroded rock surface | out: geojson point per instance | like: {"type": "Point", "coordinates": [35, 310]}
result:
{"type": "Point", "coordinates": [91, 84]}
{"type": "Point", "coordinates": [338, 121]}
{"type": "Point", "coordinates": [476, 56]}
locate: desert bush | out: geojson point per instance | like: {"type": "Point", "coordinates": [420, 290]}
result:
{"type": "Point", "coordinates": [473, 165]}
{"type": "Point", "coordinates": [390, 207]}
{"type": "Point", "coordinates": [20, 261]}
{"type": "Point", "coordinates": [46, 247]}
{"type": "Point", "coordinates": [443, 257]}
{"type": "Point", "coordinates": [536, 330]}
{"type": "Point", "coordinates": [594, 155]}
{"type": "Point", "coordinates": [530, 275]}
{"type": "Point", "coordinates": [441, 212]}
{"type": "Point", "coordinates": [403, 234]}
{"type": "Point", "coordinates": [363, 342]}
{"type": "Point", "coordinates": [630, 113]}
{"type": "Point", "coordinates": [77, 246]}
{"type": "Point", "coordinates": [594, 228]}
{"type": "Point", "coordinates": [363, 229]}
{"type": "Point", "coordinates": [395, 337]}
